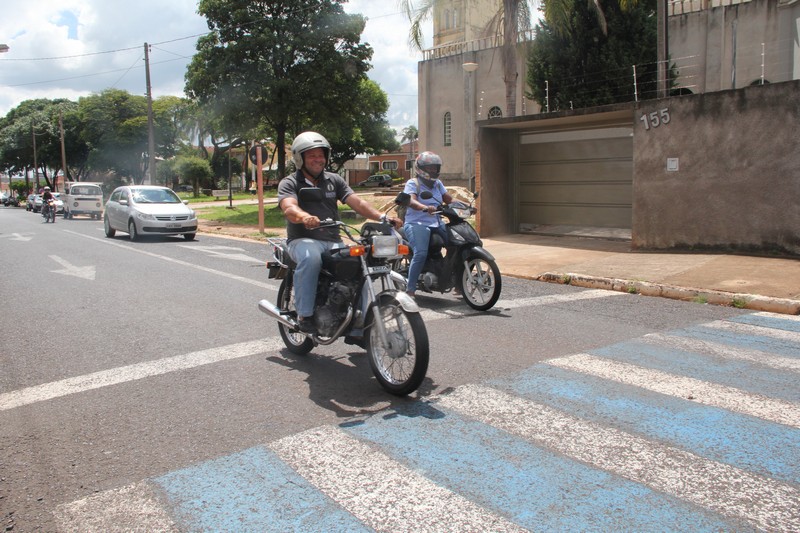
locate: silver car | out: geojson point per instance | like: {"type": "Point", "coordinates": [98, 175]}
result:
{"type": "Point", "coordinates": [141, 210]}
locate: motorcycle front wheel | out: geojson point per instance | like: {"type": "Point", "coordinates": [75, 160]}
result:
{"type": "Point", "coordinates": [399, 365]}
{"type": "Point", "coordinates": [480, 283]}
{"type": "Point", "coordinates": [295, 342]}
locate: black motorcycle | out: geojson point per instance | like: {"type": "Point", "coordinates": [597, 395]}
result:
{"type": "Point", "coordinates": [461, 264]}
{"type": "Point", "coordinates": [356, 299]}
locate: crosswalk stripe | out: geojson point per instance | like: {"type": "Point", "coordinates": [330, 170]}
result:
{"type": "Point", "coordinates": [114, 511]}
{"type": "Point", "coordinates": [382, 493]}
{"type": "Point", "coordinates": [749, 329]}
{"type": "Point", "coordinates": [730, 398]}
{"type": "Point", "coordinates": [720, 350]}
{"type": "Point", "coordinates": [765, 503]}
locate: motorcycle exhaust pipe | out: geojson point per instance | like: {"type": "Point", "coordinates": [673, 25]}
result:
{"type": "Point", "coordinates": [272, 310]}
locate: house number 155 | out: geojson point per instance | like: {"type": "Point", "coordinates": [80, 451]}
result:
{"type": "Point", "coordinates": [655, 119]}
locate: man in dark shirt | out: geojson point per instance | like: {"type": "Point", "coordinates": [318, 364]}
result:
{"type": "Point", "coordinates": [307, 241]}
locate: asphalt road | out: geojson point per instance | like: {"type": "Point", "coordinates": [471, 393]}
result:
{"type": "Point", "coordinates": [133, 365]}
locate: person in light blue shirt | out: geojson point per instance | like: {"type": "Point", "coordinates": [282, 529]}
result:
{"type": "Point", "coordinates": [420, 223]}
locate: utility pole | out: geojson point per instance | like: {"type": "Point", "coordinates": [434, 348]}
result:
{"type": "Point", "coordinates": [151, 142]}
{"type": "Point", "coordinates": [63, 150]}
{"type": "Point", "coordinates": [662, 40]}
{"type": "Point", "coordinates": [35, 165]}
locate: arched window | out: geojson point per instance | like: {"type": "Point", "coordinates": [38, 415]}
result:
{"type": "Point", "coordinates": [457, 18]}
{"type": "Point", "coordinates": [495, 112]}
{"type": "Point", "coordinates": [447, 19]}
{"type": "Point", "coordinates": [448, 138]}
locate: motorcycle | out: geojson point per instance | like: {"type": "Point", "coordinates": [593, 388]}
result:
{"type": "Point", "coordinates": [384, 321]}
{"type": "Point", "coordinates": [12, 201]}
{"type": "Point", "coordinates": [49, 211]}
{"type": "Point", "coordinates": [465, 266]}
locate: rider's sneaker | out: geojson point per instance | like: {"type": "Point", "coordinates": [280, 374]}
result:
{"type": "Point", "coordinates": [355, 341]}
{"type": "Point", "coordinates": [306, 325]}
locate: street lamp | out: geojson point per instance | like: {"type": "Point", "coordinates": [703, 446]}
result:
{"type": "Point", "coordinates": [469, 114]}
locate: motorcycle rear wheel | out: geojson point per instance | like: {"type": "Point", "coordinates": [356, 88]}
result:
{"type": "Point", "coordinates": [481, 283]}
{"type": "Point", "coordinates": [295, 342]}
{"type": "Point", "coordinates": [401, 366]}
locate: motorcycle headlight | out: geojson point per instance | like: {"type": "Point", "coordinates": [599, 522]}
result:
{"type": "Point", "coordinates": [463, 213]}
{"type": "Point", "coordinates": [384, 246]}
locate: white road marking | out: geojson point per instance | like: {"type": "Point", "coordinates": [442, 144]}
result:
{"type": "Point", "coordinates": [87, 272]}
{"type": "Point", "coordinates": [768, 504]}
{"type": "Point", "coordinates": [749, 329]}
{"type": "Point", "coordinates": [17, 237]}
{"type": "Point", "coordinates": [228, 275]}
{"type": "Point", "coordinates": [720, 350]}
{"type": "Point", "coordinates": [224, 252]}
{"type": "Point", "coordinates": [124, 374]}
{"type": "Point", "coordinates": [549, 299]}
{"type": "Point", "coordinates": [382, 493]}
{"type": "Point", "coordinates": [115, 511]}
{"type": "Point", "coordinates": [730, 398]}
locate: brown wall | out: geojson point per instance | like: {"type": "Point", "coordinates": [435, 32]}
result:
{"type": "Point", "coordinates": [738, 181]}
{"type": "Point", "coordinates": [737, 186]}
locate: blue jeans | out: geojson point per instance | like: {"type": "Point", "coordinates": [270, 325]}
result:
{"type": "Point", "coordinates": [419, 237]}
{"type": "Point", "coordinates": [307, 253]}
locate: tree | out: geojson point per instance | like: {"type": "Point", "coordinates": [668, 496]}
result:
{"type": "Point", "coordinates": [511, 17]}
{"type": "Point", "coordinates": [588, 67]}
{"type": "Point", "coordinates": [115, 127]}
{"type": "Point", "coordinates": [193, 169]}
{"type": "Point", "coordinates": [274, 67]}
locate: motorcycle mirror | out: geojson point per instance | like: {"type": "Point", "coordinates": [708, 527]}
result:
{"type": "Point", "coordinates": [426, 195]}
{"type": "Point", "coordinates": [310, 194]}
{"type": "Point", "coordinates": [402, 199]}
{"type": "Point", "coordinates": [475, 194]}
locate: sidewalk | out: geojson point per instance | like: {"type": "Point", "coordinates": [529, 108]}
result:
{"type": "Point", "coordinates": [759, 283]}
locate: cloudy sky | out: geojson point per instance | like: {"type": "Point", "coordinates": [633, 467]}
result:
{"type": "Point", "coordinates": [72, 48]}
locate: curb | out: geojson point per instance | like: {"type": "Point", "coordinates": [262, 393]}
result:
{"type": "Point", "coordinates": [646, 288]}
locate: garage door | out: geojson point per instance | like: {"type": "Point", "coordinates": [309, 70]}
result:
{"type": "Point", "coordinates": [576, 178]}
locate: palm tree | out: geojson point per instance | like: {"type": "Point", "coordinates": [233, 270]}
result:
{"type": "Point", "coordinates": [410, 134]}
{"type": "Point", "coordinates": [511, 17]}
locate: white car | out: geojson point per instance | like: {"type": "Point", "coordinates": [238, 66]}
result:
{"type": "Point", "coordinates": [83, 198]}
{"type": "Point", "coordinates": [141, 210]}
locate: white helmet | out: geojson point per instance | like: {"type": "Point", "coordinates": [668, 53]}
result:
{"type": "Point", "coordinates": [306, 141]}
{"type": "Point", "coordinates": [47, 188]}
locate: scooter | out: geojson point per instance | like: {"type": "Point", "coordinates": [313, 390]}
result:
{"type": "Point", "coordinates": [357, 299]}
{"type": "Point", "coordinates": [464, 266]}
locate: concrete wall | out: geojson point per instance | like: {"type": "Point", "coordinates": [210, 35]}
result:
{"type": "Point", "coordinates": [737, 184]}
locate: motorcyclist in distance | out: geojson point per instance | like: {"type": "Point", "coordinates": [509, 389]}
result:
{"type": "Point", "coordinates": [47, 195]}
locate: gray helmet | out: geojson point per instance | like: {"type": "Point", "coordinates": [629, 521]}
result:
{"type": "Point", "coordinates": [428, 165]}
{"type": "Point", "coordinates": [306, 141]}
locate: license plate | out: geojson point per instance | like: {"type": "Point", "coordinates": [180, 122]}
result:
{"type": "Point", "coordinates": [173, 226]}
{"type": "Point", "coordinates": [379, 270]}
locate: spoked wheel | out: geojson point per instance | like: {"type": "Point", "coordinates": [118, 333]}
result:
{"type": "Point", "coordinates": [401, 364]}
{"type": "Point", "coordinates": [480, 283]}
{"type": "Point", "coordinates": [296, 342]}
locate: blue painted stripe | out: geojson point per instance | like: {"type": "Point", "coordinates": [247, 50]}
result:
{"type": "Point", "coordinates": [739, 440]}
{"type": "Point", "coordinates": [775, 322]}
{"type": "Point", "coordinates": [534, 487]}
{"type": "Point", "coordinates": [743, 340]}
{"type": "Point", "coordinates": [741, 374]}
{"type": "Point", "coordinates": [251, 490]}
